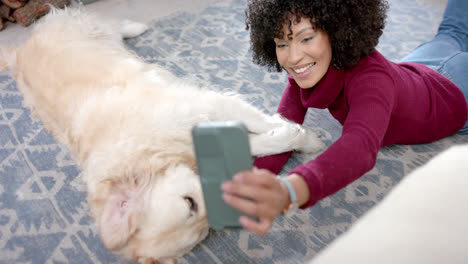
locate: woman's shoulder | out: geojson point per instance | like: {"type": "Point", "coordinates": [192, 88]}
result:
{"type": "Point", "coordinates": [373, 66]}
{"type": "Point", "coordinates": [374, 60]}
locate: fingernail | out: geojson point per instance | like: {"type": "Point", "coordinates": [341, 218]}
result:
{"type": "Point", "coordinates": [238, 177]}
{"type": "Point", "coordinates": [227, 197]}
{"type": "Point", "coordinates": [226, 186]}
{"type": "Point", "coordinates": [243, 221]}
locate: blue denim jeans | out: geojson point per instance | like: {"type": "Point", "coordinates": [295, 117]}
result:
{"type": "Point", "coordinates": [447, 53]}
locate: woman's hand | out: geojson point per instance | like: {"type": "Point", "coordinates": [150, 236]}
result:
{"type": "Point", "coordinates": [256, 193]}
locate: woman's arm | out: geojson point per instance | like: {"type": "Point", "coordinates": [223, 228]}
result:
{"type": "Point", "coordinates": [370, 99]}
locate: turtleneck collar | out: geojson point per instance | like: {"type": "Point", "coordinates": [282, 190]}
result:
{"type": "Point", "coordinates": [325, 92]}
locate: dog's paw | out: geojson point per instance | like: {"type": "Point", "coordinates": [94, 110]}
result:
{"type": "Point", "coordinates": [309, 142]}
{"type": "Point", "coordinates": [131, 29]}
{"type": "Point", "coordinates": [285, 136]}
{"type": "Point", "coordinates": [299, 138]}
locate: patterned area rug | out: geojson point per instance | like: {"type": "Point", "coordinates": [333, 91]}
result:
{"type": "Point", "coordinates": [44, 217]}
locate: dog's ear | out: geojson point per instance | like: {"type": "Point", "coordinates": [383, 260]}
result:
{"type": "Point", "coordinates": [121, 214]}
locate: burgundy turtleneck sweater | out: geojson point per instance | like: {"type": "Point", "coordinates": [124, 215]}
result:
{"type": "Point", "coordinates": [379, 103]}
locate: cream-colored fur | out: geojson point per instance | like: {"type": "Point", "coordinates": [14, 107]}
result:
{"type": "Point", "coordinates": [127, 124]}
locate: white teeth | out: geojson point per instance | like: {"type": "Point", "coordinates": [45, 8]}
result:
{"type": "Point", "coordinates": [306, 68]}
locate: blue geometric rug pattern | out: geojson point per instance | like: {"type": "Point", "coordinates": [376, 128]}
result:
{"type": "Point", "coordinates": [44, 216]}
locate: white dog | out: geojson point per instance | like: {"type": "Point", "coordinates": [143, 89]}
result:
{"type": "Point", "coordinates": [128, 126]}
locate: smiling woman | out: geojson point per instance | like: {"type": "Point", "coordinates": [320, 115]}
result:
{"type": "Point", "coordinates": [328, 49]}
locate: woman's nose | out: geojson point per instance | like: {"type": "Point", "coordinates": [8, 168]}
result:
{"type": "Point", "coordinates": [295, 54]}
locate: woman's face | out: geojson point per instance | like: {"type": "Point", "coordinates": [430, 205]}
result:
{"type": "Point", "coordinates": [306, 55]}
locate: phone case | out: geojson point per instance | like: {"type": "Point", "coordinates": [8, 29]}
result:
{"type": "Point", "coordinates": [222, 149]}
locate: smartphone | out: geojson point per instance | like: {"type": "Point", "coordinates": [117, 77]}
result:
{"type": "Point", "coordinates": [222, 149]}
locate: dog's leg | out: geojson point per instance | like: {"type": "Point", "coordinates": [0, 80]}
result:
{"type": "Point", "coordinates": [286, 137]}
{"type": "Point", "coordinates": [234, 108]}
{"type": "Point", "coordinates": [269, 134]}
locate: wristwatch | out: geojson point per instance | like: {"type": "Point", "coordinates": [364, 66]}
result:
{"type": "Point", "coordinates": [292, 196]}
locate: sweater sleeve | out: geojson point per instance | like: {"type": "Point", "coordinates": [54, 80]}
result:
{"type": "Point", "coordinates": [291, 108]}
{"type": "Point", "coordinates": [370, 102]}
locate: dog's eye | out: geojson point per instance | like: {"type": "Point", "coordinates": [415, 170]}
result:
{"type": "Point", "coordinates": [191, 203]}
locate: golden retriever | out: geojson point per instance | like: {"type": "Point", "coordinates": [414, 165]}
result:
{"type": "Point", "coordinates": [127, 125]}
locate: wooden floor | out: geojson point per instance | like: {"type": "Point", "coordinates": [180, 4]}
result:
{"type": "Point", "coordinates": [137, 10]}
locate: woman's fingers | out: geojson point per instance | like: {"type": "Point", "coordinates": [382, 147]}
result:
{"type": "Point", "coordinates": [259, 191]}
{"type": "Point", "coordinates": [258, 184]}
{"type": "Point", "coordinates": [256, 177]}
{"type": "Point", "coordinates": [256, 193]}
{"type": "Point", "coordinates": [250, 206]}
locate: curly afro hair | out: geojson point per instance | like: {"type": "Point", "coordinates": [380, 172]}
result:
{"type": "Point", "coordinates": [354, 26]}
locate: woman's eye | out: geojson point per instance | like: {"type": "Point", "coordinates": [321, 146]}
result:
{"type": "Point", "coordinates": [307, 39]}
{"type": "Point", "coordinates": [279, 46]}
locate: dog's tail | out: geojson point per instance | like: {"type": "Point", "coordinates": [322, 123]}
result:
{"type": "Point", "coordinates": [7, 58]}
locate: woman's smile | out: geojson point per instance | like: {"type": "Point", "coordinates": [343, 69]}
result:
{"type": "Point", "coordinates": [302, 71]}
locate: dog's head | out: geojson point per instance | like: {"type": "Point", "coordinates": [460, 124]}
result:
{"type": "Point", "coordinates": [151, 208]}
